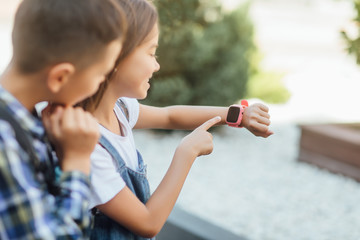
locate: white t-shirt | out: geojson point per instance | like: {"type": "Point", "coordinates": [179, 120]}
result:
{"type": "Point", "coordinates": [106, 182]}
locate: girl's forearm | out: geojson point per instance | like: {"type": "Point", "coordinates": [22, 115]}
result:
{"type": "Point", "coordinates": [164, 198]}
{"type": "Point", "coordinates": [190, 117]}
{"type": "Point", "coordinates": [178, 117]}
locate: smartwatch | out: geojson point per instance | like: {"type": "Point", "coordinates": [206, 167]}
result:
{"type": "Point", "coordinates": [235, 114]}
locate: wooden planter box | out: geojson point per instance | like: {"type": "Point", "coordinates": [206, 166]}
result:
{"type": "Point", "coordinates": [335, 147]}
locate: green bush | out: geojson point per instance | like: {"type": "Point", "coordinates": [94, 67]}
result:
{"type": "Point", "coordinates": [354, 42]}
{"type": "Point", "coordinates": [268, 86]}
{"type": "Point", "coordinates": [204, 52]}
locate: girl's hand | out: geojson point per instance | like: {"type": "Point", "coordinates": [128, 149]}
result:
{"type": "Point", "coordinates": [74, 133]}
{"type": "Point", "coordinates": [257, 120]}
{"type": "Point", "coordinates": [200, 141]}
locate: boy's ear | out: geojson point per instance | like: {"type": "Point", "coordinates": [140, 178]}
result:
{"type": "Point", "coordinates": [59, 75]}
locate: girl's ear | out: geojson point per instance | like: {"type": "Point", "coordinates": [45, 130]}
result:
{"type": "Point", "coordinates": [59, 75]}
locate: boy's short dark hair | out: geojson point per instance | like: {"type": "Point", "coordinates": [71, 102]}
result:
{"type": "Point", "coordinates": [48, 32]}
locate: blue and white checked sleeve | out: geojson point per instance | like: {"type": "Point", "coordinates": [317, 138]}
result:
{"type": "Point", "coordinates": [27, 209]}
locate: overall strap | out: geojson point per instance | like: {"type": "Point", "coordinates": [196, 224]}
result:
{"type": "Point", "coordinates": [105, 143]}
{"type": "Point", "coordinates": [125, 111]}
{"type": "Point", "coordinates": [123, 108]}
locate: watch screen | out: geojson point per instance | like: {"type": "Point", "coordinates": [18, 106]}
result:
{"type": "Point", "coordinates": [233, 114]}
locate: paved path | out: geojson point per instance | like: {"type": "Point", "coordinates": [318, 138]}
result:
{"type": "Point", "coordinates": [7, 10]}
{"type": "Point", "coordinates": [302, 40]}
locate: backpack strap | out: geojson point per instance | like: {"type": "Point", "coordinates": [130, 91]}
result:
{"type": "Point", "coordinates": [24, 138]}
{"type": "Point", "coordinates": [123, 108]}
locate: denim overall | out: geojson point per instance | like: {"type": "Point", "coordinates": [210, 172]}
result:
{"type": "Point", "coordinates": [106, 228]}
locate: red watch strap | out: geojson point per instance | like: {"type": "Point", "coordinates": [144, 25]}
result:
{"type": "Point", "coordinates": [244, 103]}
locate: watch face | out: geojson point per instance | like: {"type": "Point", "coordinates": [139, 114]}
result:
{"type": "Point", "coordinates": [233, 114]}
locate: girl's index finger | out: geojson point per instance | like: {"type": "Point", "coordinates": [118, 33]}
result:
{"type": "Point", "coordinates": [209, 123]}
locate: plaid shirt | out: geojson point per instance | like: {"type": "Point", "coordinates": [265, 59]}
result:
{"type": "Point", "coordinates": [27, 209]}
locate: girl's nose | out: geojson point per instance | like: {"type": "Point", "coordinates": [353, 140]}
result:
{"type": "Point", "coordinates": [157, 66]}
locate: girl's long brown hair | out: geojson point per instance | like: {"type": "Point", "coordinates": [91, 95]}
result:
{"type": "Point", "coordinates": [141, 16]}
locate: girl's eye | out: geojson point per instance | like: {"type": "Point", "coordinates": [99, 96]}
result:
{"type": "Point", "coordinates": [154, 55]}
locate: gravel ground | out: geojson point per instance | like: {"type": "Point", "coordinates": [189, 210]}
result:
{"type": "Point", "coordinates": [256, 187]}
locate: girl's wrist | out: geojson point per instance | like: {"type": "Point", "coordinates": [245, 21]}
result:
{"type": "Point", "coordinates": [186, 153]}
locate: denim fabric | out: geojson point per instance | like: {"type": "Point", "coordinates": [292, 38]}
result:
{"type": "Point", "coordinates": [106, 228]}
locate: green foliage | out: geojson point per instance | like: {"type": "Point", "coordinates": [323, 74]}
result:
{"type": "Point", "coordinates": [204, 54]}
{"type": "Point", "coordinates": [354, 43]}
{"type": "Point", "coordinates": [268, 87]}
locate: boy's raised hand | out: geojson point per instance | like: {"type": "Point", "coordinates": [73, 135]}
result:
{"type": "Point", "coordinates": [200, 141]}
{"type": "Point", "coordinates": [256, 119]}
{"type": "Point", "coordinates": [74, 133]}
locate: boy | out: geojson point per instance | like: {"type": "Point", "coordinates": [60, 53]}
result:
{"type": "Point", "coordinates": [62, 50]}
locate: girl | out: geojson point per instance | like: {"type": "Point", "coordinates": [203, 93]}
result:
{"type": "Point", "coordinates": [121, 201]}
